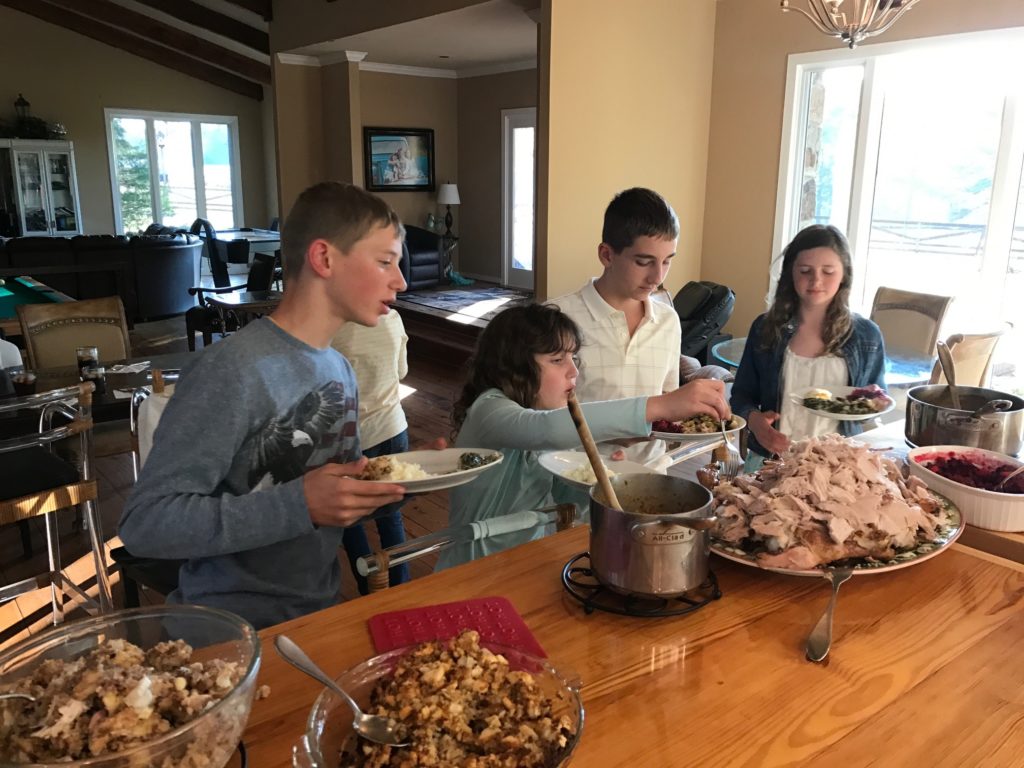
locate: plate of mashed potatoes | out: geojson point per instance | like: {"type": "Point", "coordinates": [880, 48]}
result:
{"type": "Point", "coordinates": [421, 471]}
{"type": "Point", "coordinates": [574, 467]}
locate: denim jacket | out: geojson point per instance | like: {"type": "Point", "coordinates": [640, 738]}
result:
{"type": "Point", "coordinates": [757, 380]}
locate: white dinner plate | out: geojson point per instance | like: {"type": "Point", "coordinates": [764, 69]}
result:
{"type": "Point", "coordinates": [561, 463]}
{"type": "Point", "coordinates": [798, 399]}
{"type": "Point", "coordinates": [687, 437]}
{"type": "Point", "coordinates": [947, 533]}
{"type": "Point", "coordinates": [443, 465]}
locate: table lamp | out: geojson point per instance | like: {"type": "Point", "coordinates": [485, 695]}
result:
{"type": "Point", "coordinates": [448, 195]}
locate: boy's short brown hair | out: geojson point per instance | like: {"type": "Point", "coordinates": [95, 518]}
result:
{"type": "Point", "coordinates": [340, 213]}
{"type": "Point", "coordinates": [638, 212]}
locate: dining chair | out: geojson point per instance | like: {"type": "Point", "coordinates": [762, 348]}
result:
{"type": "Point", "coordinates": [909, 321]}
{"type": "Point", "coordinates": [563, 516]}
{"type": "Point", "coordinates": [10, 355]}
{"type": "Point", "coordinates": [147, 407]}
{"type": "Point", "coordinates": [53, 331]}
{"type": "Point", "coordinates": [220, 253]}
{"type": "Point", "coordinates": [208, 320]}
{"type": "Point", "coordinates": [35, 482]}
{"type": "Point", "coordinates": [972, 358]}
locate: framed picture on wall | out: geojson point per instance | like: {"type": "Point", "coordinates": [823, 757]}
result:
{"type": "Point", "coordinates": [399, 159]}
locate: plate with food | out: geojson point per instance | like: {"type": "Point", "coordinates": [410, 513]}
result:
{"type": "Point", "coordinates": [574, 467]}
{"type": "Point", "coordinates": [695, 428]}
{"type": "Point", "coordinates": [421, 471]}
{"type": "Point", "coordinates": [845, 403]}
{"type": "Point", "coordinates": [830, 502]}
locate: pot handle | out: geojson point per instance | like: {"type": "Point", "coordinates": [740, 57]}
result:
{"type": "Point", "coordinates": [993, 406]}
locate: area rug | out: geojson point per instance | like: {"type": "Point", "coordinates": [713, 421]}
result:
{"type": "Point", "coordinates": [480, 304]}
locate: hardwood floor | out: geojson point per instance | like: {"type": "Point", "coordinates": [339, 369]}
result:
{"type": "Point", "coordinates": [433, 383]}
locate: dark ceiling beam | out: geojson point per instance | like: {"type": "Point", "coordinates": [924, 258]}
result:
{"type": "Point", "coordinates": [200, 16]}
{"type": "Point", "coordinates": [263, 7]}
{"type": "Point", "coordinates": [174, 38]}
{"type": "Point", "coordinates": [137, 46]}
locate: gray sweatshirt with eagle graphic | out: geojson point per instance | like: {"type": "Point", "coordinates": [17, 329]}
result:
{"type": "Point", "coordinates": [222, 487]}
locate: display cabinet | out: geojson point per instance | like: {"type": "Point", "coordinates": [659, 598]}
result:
{"type": "Point", "coordinates": [41, 187]}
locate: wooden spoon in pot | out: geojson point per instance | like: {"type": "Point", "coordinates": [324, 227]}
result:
{"type": "Point", "coordinates": [591, 448]}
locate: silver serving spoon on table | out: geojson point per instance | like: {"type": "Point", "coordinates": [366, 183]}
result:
{"type": "Point", "coordinates": [820, 639]}
{"type": "Point", "coordinates": [372, 727]}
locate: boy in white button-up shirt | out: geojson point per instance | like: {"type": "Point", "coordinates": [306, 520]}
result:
{"type": "Point", "coordinates": [631, 341]}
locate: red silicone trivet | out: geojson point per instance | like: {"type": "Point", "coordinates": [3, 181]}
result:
{"type": "Point", "coordinates": [495, 618]}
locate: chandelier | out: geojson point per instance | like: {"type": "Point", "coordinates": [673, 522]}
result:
{"type": "Point", "coordinates": [854, 21]}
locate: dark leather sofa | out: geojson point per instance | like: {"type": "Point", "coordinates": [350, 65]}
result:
{"type": "Point", "coordinates": [151, 274]}
{"type": "Point", "coordinates": [421, 258]}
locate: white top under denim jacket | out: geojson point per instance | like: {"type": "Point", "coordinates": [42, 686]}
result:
{"type": "Point", "coordinates": [757, 385]}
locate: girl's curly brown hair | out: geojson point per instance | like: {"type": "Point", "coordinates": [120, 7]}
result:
{"type": "Point", "coordinates": [504, 356]}
{"type": "Point", "coordinates": [786, 306]}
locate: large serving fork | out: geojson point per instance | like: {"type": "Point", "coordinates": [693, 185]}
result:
{"type": "Point", "coordinates": [733, 462]}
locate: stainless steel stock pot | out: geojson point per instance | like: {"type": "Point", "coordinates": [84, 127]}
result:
{"type": "Point", "coordinates": [932, 420]}
{"type": "Point", "coordinates": [658, 543]}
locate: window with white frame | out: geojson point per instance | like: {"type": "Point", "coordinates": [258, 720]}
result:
{"type": "Point", "coordinates": [915, 149]}
{"type": "Point", "coordinates": [173, 168]}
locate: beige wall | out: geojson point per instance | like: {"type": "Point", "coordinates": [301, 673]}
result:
{"type": "Point", "coordinates": [627, 92]}
{"type": "Point", "coordinates": [400, 101]}
{"type": "Point", "coordinates": [340, 87]}
{"type": "Point", "coordinates": [299, 126]}
{"type": "Point", "coordinates": [70, 78]}
{"type": "Point", "coordinates": [481, 100]}
{"type": "Point", "coordinates": [752, 42]}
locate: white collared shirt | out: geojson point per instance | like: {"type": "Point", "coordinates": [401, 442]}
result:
{"type": "Point", "coordinates": [614, 365]}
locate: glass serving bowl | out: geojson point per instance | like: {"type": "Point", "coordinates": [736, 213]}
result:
{"type": "Point", "coordinates": [211, 738]}
{"type": "Point", "coordinates": [330, 721]}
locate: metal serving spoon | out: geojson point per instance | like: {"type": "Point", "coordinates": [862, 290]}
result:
{"type": "Point", "coordinates": [372, 727]}
{"type": "Point", "coordinates": [949, 371]}
{"type": "Point", "coordinates": [1013, 474]}
{"type": "Point", "coordinates": [25, 696]}
{"type": "Point", "coordinates": [820, 639]}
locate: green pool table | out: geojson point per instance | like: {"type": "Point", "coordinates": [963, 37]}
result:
{"type": "Point", "coordinates": [23, 290]}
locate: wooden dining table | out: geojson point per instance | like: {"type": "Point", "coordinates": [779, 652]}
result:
{"type": "Point", "coordinates": [925, 668]}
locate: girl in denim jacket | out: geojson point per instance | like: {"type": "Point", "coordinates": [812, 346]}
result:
{"type": "Point", "coordinates": [807, 338]}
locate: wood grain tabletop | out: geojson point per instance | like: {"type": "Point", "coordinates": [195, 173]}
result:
{"type": "Point", "coordinates": [925, 668]}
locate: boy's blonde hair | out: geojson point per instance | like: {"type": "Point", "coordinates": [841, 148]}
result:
{"type": "Point", "coordinates": [340, 213]}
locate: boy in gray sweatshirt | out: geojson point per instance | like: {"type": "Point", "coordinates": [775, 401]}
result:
{"type": "Point", "coordinates": [251, 476]}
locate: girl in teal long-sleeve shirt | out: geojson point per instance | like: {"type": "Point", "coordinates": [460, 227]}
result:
{"type": "Point", "coordinates": [515, 400]}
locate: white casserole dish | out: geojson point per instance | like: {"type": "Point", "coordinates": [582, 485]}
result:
{"type": "Point", "coordinates": [985, 509]}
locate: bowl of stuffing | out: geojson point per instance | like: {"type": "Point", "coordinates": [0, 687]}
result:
{"type": "Point", "coordinates": [165, 687]}
{"type": "Point", "coordinates": [456, 702]}
{"type": "Point", "coordinates": [968, 477]}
